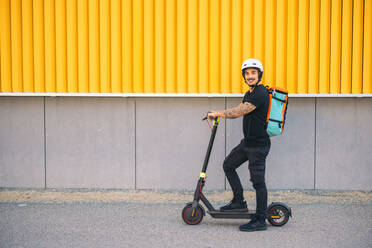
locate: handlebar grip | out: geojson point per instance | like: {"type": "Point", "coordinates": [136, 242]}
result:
{"type": "Point", "coordinates": [206, 117]}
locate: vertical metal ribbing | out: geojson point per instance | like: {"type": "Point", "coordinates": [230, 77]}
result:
{"type": "Point", "coordinates": [81, 45]}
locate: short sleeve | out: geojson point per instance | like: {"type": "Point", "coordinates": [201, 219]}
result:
{"type": "Point", "coordinates": [258, 97]}
{"type": "Point", "coordinates": [245, 97]}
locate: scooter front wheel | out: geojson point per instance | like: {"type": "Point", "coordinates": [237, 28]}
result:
{"type": "Point", "coordinates": [192, 216]}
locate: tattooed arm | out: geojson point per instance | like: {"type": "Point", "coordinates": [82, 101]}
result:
{"type": "Point", "coordinates": [240, 110]}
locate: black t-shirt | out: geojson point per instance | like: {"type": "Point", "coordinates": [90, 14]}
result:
{"type": "Point", "coordinates": [254, 123]}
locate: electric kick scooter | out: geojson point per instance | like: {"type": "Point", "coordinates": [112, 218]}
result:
{"type": "Point", "coordinates": [277, 213]}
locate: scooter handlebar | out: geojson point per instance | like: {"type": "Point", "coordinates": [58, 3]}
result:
{"type": "Point", "coordinates": [206, 117]}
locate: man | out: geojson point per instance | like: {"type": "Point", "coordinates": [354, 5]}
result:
{"type": "Point", "coordinates": [254, 147]}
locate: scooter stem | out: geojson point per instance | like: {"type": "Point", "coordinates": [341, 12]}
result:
{"type": "Point", "coordinates": [210, 145]}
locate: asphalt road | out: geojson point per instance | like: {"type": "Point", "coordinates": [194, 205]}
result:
{"type": "Point", "coordinates": [160, 225]}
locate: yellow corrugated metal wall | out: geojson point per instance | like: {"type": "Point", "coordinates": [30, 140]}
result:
{"type": "Point", "coordinates": [184, 46]}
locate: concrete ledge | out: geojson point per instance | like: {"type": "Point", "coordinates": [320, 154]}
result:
{"type": "Point", "coordinates": [162, 196]}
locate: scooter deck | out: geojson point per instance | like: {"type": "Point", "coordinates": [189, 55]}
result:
{"type": "Point", "coordinates": [231, 214]}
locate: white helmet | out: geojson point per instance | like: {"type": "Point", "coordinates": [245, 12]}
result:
{"type": "Point", "coordinates": [252, 63]}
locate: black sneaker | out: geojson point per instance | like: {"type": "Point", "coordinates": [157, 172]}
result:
{"type": "Point", "coordinates": [257, 223]}
{"type": "Point", "coordinates": [235, 205]}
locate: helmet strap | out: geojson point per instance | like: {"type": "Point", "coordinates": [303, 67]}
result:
{"type": "Point", "coordinates": [256, 84]}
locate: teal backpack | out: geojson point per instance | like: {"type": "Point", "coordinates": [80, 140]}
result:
{"type": "Point", "coordinates": [277, 110]}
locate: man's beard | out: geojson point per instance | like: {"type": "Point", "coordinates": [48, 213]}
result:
{"type": "Point", "coordinates": [247, 82]}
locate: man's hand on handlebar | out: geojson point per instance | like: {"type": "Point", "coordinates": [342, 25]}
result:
{"type": "Point", "coordinates": [212, 115]}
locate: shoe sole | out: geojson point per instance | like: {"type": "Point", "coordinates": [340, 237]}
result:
{"type": "Point", "coordinates": [252, 230]}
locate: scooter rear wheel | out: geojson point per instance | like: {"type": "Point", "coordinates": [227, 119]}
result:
{"type": "Point", "coordinates": [278, 215]}
{"type": "Point", "coordinates": [192, 216]}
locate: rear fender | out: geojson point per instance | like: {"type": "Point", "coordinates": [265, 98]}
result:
{"type": "Point", "coordinates": [281, 204]}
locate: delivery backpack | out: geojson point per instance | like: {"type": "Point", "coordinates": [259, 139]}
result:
{"type": "Point", "coordinates": [277, 110]}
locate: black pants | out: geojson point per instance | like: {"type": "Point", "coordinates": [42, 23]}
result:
{"type": "Point", "coordinates": [257, 163]}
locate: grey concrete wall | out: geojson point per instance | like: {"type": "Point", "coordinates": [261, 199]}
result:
{"type": "Point", "coordinates": [160, 143]}
{"type": "Point", "coordinates": [344, 143]}
{"type": "Point", "coordinates": [172, 141]}
{"type": "Point", "coordinates": [22, 161]}
{"type": "Point", "coordinates": [90, 143]}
